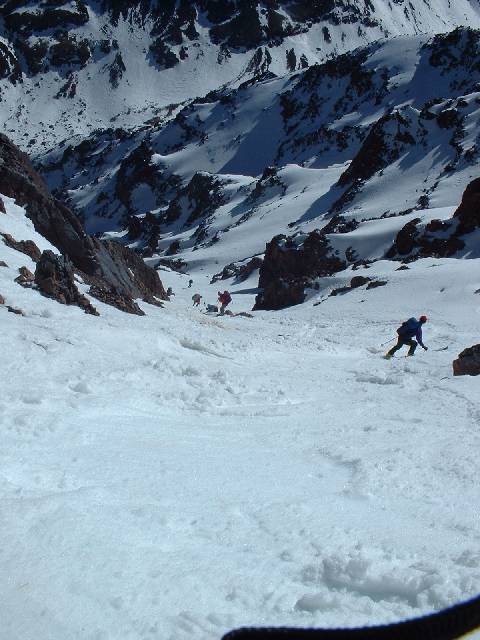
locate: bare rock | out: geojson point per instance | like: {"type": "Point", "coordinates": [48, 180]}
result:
{"type": "Point", "coordinates": [2, 206]}
{"type": "Point", "coordinates": [468, 213]}
{"type": "Point", "coordinates": [358, 281]}
{"type": "Point", "coordinates": [290, 264]}
{"type": "Point", "coordinates": [176, 264]}
{"type": "Point", "coordinates": [376, 283]}
{"type": "Point", "coordinates": [3, 264]}
{"type": "Point", "coordinates": [2, 299]}
{"type": "Point", "coordinates": [28, 247]}
{"type": "Point", "coordinates": [26, 278]}
{"type": "Point", "coordinates": [439, 238]}
{"type": "Point", "coordinates": [16, 311]}
{"type": "Point", "coordinates": [468, 362]}
{"type": "Point", "coordinates": [104, 264]}
{"type": "Point", "coordinates": [240, 271]}
{"type": "Point", "coordinates": [54, 278]}
{"type": "Point", "coordinates": [116, 299]}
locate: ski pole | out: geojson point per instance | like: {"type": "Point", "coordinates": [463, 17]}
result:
{"type": "Point", "coordinates": [384, 343]}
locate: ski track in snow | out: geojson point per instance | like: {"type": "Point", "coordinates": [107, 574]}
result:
{"type": "Point", "coordinates": [181, 474]}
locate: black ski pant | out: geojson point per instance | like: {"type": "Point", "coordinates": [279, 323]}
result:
{"type": "Point", "coordinates": [404, 341]}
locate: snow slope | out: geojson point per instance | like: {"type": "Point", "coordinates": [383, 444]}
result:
{"type": "Point", "coordinates": [180, 474]}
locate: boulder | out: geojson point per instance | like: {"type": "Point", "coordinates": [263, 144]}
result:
{"type": "Point", "coordinates": [358, 281]}
{"type": "Point", "coordinates": [2, 299]}
{"type": "Point", "coordinates": [28, 247]}
{"type": "Point", "coordinates": [26, 277]}
{"type": "Point", "coordinates": [376, 283]}
{"type": "Point", "coordinates": [468, 362]}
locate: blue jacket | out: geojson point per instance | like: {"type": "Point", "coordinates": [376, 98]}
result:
{"type": "Point", "coordinates": [411, 328]}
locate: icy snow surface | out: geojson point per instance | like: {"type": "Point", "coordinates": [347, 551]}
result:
{"type": "Point", "coordinates": [180, 474]}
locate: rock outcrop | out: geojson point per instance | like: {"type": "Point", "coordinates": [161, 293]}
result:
{"type": "Point", "coordinates": [28, 247]}
{"type": "Point", "coordinates": [238, 271]}
{"type": "Point", "coordinates": [468, 213]}
{"type": "Point", "coordinates": [468, 362]}
{"type": "Point", "coordinates": [439, 238]}
{"type": "Point", "coordinates": [107, 265]}
{"type": "Point", "coordinates": [54, 278]}
{"type": "Point", "coordinates": [290, 265]}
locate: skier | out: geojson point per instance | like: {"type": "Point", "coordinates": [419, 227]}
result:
{"type": "Point", "coordinates": [224, 298]}
{"type": "Point", "coordinates": [190, 282]}
{"type": "Point", "coordinates": [406, 332]}
{"type": "Point", "coordinates": [196, 299]}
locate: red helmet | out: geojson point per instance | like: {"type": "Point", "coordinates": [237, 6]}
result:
{"type": "Point", "coordinates": [423, 318]}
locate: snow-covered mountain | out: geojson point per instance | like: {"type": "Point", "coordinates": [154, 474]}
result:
{"type": "Point", "coordinates": [388, 131]}
{"type": "Point", "coordinates": [70, 67]}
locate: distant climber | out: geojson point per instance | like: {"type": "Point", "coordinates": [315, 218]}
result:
{"type": "Point", "coordinates": [190, 282]}
{"type": "Point", "coordinates": [411, 328]}
{"type": "Point", "coordinates": [196, 299]}
{"type": "Point", "coordinates": [170, 292]}
{"type": "Point", "coordinates": [224, 298]}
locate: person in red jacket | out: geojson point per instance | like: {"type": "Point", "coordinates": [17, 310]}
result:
{"type": "Point", "coordinates": [224, 299]}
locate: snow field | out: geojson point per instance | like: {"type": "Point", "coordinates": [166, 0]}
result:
{"type": "Point", "coordinates": [180, 474]}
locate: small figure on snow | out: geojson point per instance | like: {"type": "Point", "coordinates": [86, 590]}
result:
{"type": "Point", "coordinates": [170, 292]}
{"type": "Point", "coordinates": [224, 298]}
{"type": "Point", "coordinates": [196, 299]}
{"type": "Point", "coordinates": [212, 308]}
{"type": "Point", "coordinates": [406, 332]}
{"type": "Point", "coordinates": [190, 282]}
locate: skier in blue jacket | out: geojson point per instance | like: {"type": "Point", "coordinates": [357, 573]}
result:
{"type": "Point", "coordinates": [410, 329]}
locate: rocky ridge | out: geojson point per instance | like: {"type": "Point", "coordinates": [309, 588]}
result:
{"type": "Point", "coordinates": [109, 267]}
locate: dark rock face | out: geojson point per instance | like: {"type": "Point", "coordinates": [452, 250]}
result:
{"type": "Point", "coordinates": [439, 238]}
{"type": "Point", "coordinates": [468, 213]}
{"type": "Point", "coordinates": [2, 206]}
{"type": "Point", "coordinates": [55, 279]}
{"type": "Point", "coordinates": [405, 242]}
{"type": "Point", "coordinates": [468, 362]}
{"type": "Point", "coordinates": [289, 266]}
{"type": "Point", "coordinates": [126, 272]}
{"type": "Point", "coordinates": [107, 265]}
{"type": "Point", "coordinates": [52, 219]}
{"type": "Point", "coordinates": [115, 299]}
